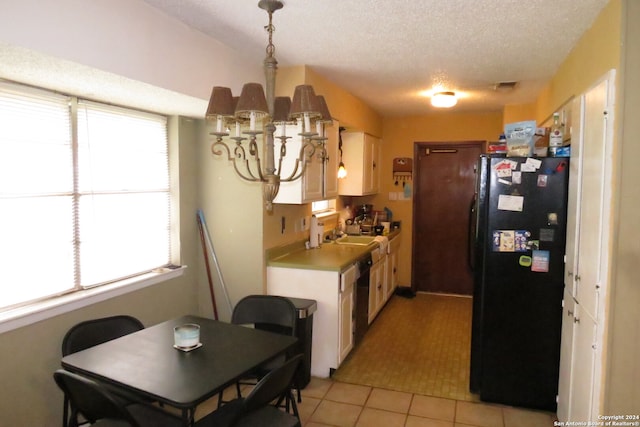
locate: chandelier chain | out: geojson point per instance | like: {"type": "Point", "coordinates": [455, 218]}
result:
{"type": "Point", "coordinates": [270, 29]}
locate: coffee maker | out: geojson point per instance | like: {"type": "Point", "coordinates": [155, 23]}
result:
{"type": "Point", "coordinates": [364, 218]}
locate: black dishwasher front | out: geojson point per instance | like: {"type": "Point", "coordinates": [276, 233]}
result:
{"type": "Point", "coordinates": [362, 297]}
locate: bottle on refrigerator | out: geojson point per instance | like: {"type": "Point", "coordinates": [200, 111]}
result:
{"type": "Point", "coordinates": [556, 134]}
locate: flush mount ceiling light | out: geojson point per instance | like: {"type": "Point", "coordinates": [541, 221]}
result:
{"type": "Point", "coordinates": [444, 99]}
{"type": "Point", "coordinates": [262, 114]}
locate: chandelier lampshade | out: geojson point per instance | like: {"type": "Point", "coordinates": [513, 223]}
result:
{"type": "Point", "coordinates": [281, 108]}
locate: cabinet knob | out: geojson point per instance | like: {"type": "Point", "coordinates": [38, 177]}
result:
{"type": "Point", "coordinates": [576, 320]}
{"type": "Point", "coordinates": [569, 313]}
{"type": "Point", "coordinates": [570, 273]}
{"type": "Point", "coordinates": [577, 278]}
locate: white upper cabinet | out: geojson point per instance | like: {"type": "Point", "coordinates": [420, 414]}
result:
{"type": "Point", "coordinates": [360, 154]}
{"type": "Point", "coordinates": [320, 180]}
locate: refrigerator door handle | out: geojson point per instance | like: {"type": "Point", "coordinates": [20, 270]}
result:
{"type": "Point", "coordinates": [472, 233]}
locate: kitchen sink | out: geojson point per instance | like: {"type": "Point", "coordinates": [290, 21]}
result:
{"type": "Point", "coordinates": [356, 240]}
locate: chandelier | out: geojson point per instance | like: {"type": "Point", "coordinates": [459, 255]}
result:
{"type": "Point", "coordinates": [263, 115]}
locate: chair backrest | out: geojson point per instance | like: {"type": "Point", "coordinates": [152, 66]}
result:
{"type": "Point", "coordinates": [91, 399]}
{"type": "Point", "coordinates": [96, 331]}
{"type": "Point", "coordinates": [264, 311]}
{"type": "Point", "coordinates": [273, 385]}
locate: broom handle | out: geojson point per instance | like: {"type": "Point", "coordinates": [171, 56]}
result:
{"type": "Point", "coordinates": [206, 261]}
{"type": "Point", "coordinates": [215, 259]}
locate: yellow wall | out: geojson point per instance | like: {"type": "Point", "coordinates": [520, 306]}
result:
{"type": "Point", "coordinates": [597, 51]}
{"type": "Point", "coordinates": [400, 135]}
{"type": "Point", "coordinates": [518, 113]}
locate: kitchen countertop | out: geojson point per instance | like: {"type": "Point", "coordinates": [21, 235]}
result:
{"type": "Point", "coordinates": [329, 256]}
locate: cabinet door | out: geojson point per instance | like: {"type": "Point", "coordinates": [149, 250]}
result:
{"type": "Point", "coordinates": [575, 190]}
{"type": "Point", "coordinates": [371, 158]}
{"type": "Point", "coordinates": [393, 272]}
{"type": "Point", "coordinates": [313, 178]}
{"type": "Point", "coordinates": [566, 357]}
{"type": "Point", "coordinates": [582, 375]}
{"type": "Point", "coordinates": [593, 200]}
{"type": "Point", "coordinates": [332, 159]}
{"type": "Point", "coordinates": [360, 156]}
{"type": "Point", "coordinates": [382, 278]}
{"type": "Point", "coordinates": [346, 315]}
{"type": "Point", "coordinates": [394, 246]}
{"type": "Point", "coordinates": [375, 290]}
{"type": "Point", "coordinates": [310, 186]}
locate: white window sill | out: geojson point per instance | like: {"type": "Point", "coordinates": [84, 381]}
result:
{"type": "Point", "coordinates": [23, 316]}
{"type": "Point", "coordinates": [326, 214]}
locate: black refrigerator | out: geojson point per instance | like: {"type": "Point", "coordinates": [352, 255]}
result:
{"type": "Point", "coordinates": [517, 233]}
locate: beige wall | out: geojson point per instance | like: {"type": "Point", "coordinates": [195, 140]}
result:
{"type": "Point", "coordinates": [30, 354]}
{"type": "Point", "coordinates": [112, 69]}
{"type": "Point", "coordinates": [622, 388]}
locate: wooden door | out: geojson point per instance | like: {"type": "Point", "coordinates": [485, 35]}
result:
{"type": "Point", "coordinates": [444, 187]}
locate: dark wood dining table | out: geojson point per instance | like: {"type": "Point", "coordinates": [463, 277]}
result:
{"type": "Point", "coordinates": [146, 363]}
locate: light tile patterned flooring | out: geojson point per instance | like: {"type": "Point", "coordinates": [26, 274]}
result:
{"type": "Point", "coordinates": [412, 370]}
{"type": "Point", "coordinates": [330, 403]}
{"type": "Point", "coordinates": [384, 383]}
{"type": "Point", "coordinates": [419, 345]}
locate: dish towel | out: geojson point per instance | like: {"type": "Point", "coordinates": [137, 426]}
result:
{"type": "Point", "coordinates": [383, 242]}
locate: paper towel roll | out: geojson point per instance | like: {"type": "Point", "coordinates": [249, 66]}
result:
{"type": "Point", "coordinates": [314, 241]}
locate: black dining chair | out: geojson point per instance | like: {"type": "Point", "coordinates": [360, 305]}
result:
{"type": "Point", "coordinates": [267, 312]}
{"type": "Point", "coordinates": [93, 332]}
{"type": "Point", "coordinates": [261, 406]}
{"type": "Point", "coordinates": [100, 407]}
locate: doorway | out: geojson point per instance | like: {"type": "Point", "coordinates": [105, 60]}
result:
{"type": "Point", "coordinates": [444, 188]}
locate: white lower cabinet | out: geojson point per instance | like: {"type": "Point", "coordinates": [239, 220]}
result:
{"type": "Point", "coordinates": [376, 288]}
{"type": "Point", "coordinates": [577, 356]}
{"type": "Point", "coordinates": [391, 272]}
{"type": "Point", "coordinates": [333, 321]}
{"type": "Point", "coordinates": [346, 320]}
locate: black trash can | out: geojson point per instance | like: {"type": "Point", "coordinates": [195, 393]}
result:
{"type": "Point", "coordinates": [304, 332]}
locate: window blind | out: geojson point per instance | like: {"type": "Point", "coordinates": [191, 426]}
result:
{"type": "Point", "coordinates": [84, 194]}
{"type": "Point", "coordinates": [123, 193]}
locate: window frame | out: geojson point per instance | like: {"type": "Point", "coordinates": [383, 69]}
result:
{"type": "Point", "coordinates": [38, 309]}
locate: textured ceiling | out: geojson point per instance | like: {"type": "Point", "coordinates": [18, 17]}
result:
{"type": "Point", "coordinates": [387, 52]}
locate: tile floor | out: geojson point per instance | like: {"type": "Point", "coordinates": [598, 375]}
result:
{"type": "Point", "coordinates": [367, 391]}
{"type": "Point", "coordinates": [332, 403]}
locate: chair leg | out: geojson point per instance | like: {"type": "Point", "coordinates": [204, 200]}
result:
{"type": "Point", "coordinates": [294, 405]}
{"type": "Point", "coordinates": [65, 412]}
{"type": "Point", "coordinates": [219, 399]}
